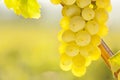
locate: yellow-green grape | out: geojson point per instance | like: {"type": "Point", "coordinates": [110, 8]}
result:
{"type": "Point", "coordinates": [62, 47]}
{"type": "Point", "coordinates": [71, 11]}
{"type": "Point", "coordinates": [60, 35]}
{"type": "Point", "coordinates": [68, 36]}
{"type": "Point", "coordinates": [78, 71]}
{"type": "Point", "coordinates": [77, 23]}
{"type": "Point", "coordinates": [109, 8]}
{"type": "Point", "coordinates": [79, 61]}
{"type": "Point", "coordinates": [55, 1]}
{"type": "Point", "coordinates": [72, 50]}
{"type": "Point", "coordinates": [103, 30]}
{"type": "Point", "coordinates": [102, 3]}
{"type": "Point", "coordinates": [92, 27]}
{"type": "Point", "coordinates": [95, 53]}
{"type": "Point", "coordinates": [101, 15]}
{"type": "Point", "coordinates": [68, 2]}
{"type": "Point", "coordinates": [64, 22]}
{"type": "Point", "coordinates": [83, 3]}
{"type": "Point", "coordinates": [96, 40]}
{"type": "Point", "coordinates": [83, 38]}
{"type": "Point", "coordinates": [26, 8]}
{"type": "Point", "coordinates": [84, 52]}
{"type": "Point", "coordinates": [65, 62]}
{"type": "Point", "coordinates": [88, 13]}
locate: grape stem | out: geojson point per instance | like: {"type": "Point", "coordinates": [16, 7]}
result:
{"type": "Point", "coordinates": [106, 54]}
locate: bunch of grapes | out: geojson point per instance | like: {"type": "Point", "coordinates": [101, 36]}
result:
{"type": "Point", "coordinates": [26, 8]}
{"type": "Point", "coordinates": [83, 25]}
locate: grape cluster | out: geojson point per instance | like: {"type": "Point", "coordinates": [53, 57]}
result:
{"type": "Point", "coordinates": [83, 25]}
{"type": "Point", "coordinates": [26, 8]}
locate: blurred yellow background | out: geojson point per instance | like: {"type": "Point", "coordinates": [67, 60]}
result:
{"type": "Point", "coordinates": [29, 48]}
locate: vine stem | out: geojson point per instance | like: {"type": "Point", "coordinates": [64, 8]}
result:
{"type": "Point", "coordinates": [106, 54]}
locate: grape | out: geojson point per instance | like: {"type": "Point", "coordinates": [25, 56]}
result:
{"type": "Point", "coordinates": [88, 13]}
{"type": "Point", "coordinates": [109, 8]}
{"type": "Point", "coordinates": [102, 3]}
{"type": "Point", "coordinates": [65, 22]}
{"type": "Point", "coordinates": [103, 30]}
{"type": "Point", "coordinates": [55, 1]}
{"type": "Point", "coordinates": [79, 61]}
{"type": "Point", "coordinates": [84, 52]}
{"type": "Point", "coordinates": [83, 24]}
{"type": "Point", "coordinates": [101, 15]}
{"type": "Point", "coordinates": [83, 38]}
{"type": "Point", "coordinates": [83, 3]}
{"type": "Point", "coordinates": [68, 36]}
{"type": "Point", "coordinates": [77, 23]}
{"type": "Point", "coordinates": [95, 53]}
{"type": "Point", "coordinates": [26, 8]}
{"type": "Point", "coordinates": [65, 62]}
{"type": "Point", "coordinates": [92, 27]}
{"type": "Point", "coordinates": [60, 35]}
{"type": "Point", "coordinates": [68, 2]}
{"type": "Point", "coordinates": [71, 11]}
{"type": "Point", "coordinates": [72, 50]}
{"type": "Point", "coordinates": [96, 40]}
{"type": "Point", "coordinates": [78, 71]}
{"type": "Point", "coordinates": [62, 48]}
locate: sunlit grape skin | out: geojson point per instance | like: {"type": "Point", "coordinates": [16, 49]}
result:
{"type": "Point", "coordinates": [77, 23]}
{"type": "Point", "coordinates": [87, 20]}
{"type": "Point", "coordinates": [71, 11]}
{"type": "Point", "coordinates": [88, 13]}
{"type": "Point", "coordinates": [92, 27]}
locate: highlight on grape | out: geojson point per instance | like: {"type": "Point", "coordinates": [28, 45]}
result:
{"type": "Point", "coordinates": [83, 25]}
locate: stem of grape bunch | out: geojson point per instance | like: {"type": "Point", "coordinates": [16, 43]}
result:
{"type": "Point", "coordinates": [106, 54]}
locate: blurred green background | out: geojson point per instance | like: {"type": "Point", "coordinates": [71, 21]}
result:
{"type": "Point", "coordinates": [29, 47]}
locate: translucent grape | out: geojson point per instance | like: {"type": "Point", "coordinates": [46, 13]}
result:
{"type": "Point", "coordinates": [83, 38]}
{"type": "Point", "coordinates": [101, 15]}
{"type": "Point", "coordinates": [62, 48]}
{"type": "Point", "coordinates": [71, 11]}
{"type": "Point", "coordinates": [78, 71]}
{"type": "Point", "coordinates": [92, 27]}
{"type": "Point", "coordinates": [79, 61]}
{"type": "Point", "coordinates": [68, 2]}
{"type": "Point", "coordinates": [65, 22]}
{"type": "Point", "coordinates": [84, 52]}
{"type": "Point", "coordinates": [109, 8]}
{"type": "Point", "coordinates": [60, 35]}
{"type": "Point", "coordinates": [83, 3]}
{"type": "Point", "coordinates": [65, 62]}
{"type": "Point", "coordinates": [68, 36]}
{"type": "Point", "coordinates": [96, 40]}
{"type": "Point", "coordinates": [103, 31]}
{"type": "Point", "coordinates": [77, 23]}
{"type": "Point", "coordinates": [95, 53]}
{"type": "Point", "coordinates": [88, 13]}
{"type": "Point", "coordinates": [102, 3]}
{"type": "Point", "coordinates": [72, 50]}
